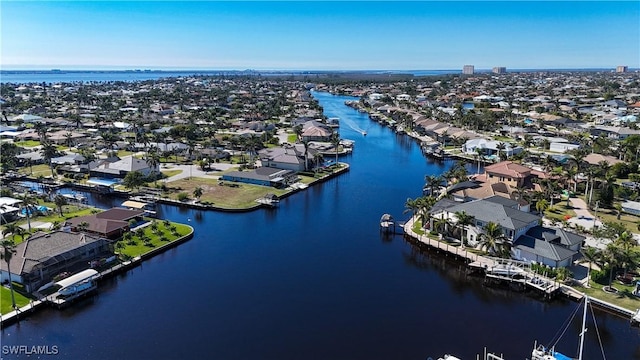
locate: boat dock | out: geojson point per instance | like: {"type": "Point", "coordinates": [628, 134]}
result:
{"type": "Point", "coordinates": [515, 272]}
{"type": "Point", "coordinates": [495, 269]}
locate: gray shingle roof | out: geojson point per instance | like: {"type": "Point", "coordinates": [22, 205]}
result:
{"type": "Point", "coordinates": [543, 248]}
{"type": "Point", "coordinates": [554, 235]}
{"type": "Point", "coordinates": [489, 211]}
{"type": "Point", "coordinates": [42, 247]}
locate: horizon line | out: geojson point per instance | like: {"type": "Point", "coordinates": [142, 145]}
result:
{"type": "Point", "coordinates": [179, 69]}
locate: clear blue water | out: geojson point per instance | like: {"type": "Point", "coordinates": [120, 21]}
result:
{"type": "Point", "coordinates": [312, 279]}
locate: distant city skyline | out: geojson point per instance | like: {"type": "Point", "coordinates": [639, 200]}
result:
{"type": "Point", "coordinates": [319, 35]}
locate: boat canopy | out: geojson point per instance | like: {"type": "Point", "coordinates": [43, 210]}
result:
{"type": "Point", "coordinates": [134, 204]}
{"type": "Point", "coordinates": [77, 278]}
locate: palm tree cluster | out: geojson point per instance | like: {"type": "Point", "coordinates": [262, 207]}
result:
{"type": "Point", "coordinates": [621, 254]}
{"type": "Point", "coordinates": [421, 207]}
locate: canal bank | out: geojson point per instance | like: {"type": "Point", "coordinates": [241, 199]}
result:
{"type": "Point", "coordinates": [315, 278]}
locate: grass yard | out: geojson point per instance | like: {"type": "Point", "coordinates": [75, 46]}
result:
{"type": "Point", "coordinates": [292, 138]}
{"type": "Point", "coordinates": [241, 197]}
{"type": "Point", "coordinates": [28, 143]}
{"type": "Point", "coordinates": [5, 300]}
{"type": "Point", "coordinates": [624, 298]}
{"type": "Point", "coordinates": [68, 211]}
{"type": "Point", "coordinates": [170, 173]}
{"type": "Point", "coordinates": [138, 247]}
{"type": "Point", "coordinates": [41, 169]}
{"type": "Point", "coordinates": [559, 211]}
{"type": "Point", "coordinates": [629, 221]}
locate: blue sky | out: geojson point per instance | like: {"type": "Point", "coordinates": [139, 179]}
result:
{"type": "Point", "coordinates": [319, 35]}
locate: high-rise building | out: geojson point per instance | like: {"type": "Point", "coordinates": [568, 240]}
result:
{"type": "Point", "coordinates": [499, 70]}
{"type": "Point", "coordinates": [621, 69]}
{"type": "Point", "coordinates": [467, 69]}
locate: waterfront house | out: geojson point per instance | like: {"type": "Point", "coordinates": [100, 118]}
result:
{"type": "Point", "coordinates": [110, 223]}
{"type": "Point", "coordinates": [511, 173]}
{"type": "Point", "coordinates": [286, 158]}
{"type": "Point", "coordinates": [120, 168]}
{"type": "Point", "coordinates": [490, 148]}
{"type": "Point", "coordinates": [496, 209]}
{"type": "Point", "coordinates": [42, 256]}
{"type": "Point", "coordinates": [554, 247]}
{"type": "Point", "coordinates": [314, 131]}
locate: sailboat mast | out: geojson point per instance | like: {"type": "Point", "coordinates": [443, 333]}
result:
{"type": "Point", "coordinates": [584, 326]}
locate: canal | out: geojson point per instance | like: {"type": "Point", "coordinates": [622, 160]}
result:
{"type": "Point", "coordinates": [313, 279]}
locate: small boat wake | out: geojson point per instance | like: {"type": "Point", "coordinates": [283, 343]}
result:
{"type": "Point", "coordinates": [355, 127]}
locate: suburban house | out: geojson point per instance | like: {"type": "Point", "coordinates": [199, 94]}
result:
{"type": "Point", "coordinates": [315, 131]}
{"type": "Point", "coordinates": [265, 176]}
{"type": "Point", "coordinates": [110, 223]}
{"type": "Point", "coordinates": [496, 209]}
{"type": "Point", "coordinates": [596, 159]}
{"type": "Point", "coordinates": [631, 207]}
{"type": "Point", "coordinates": [511, 173]}
{"type": "Point", "coordinates": [489, 148]}
{"type": "Point", "coordinates": [554, 247]}
{"type": "Point", "coordinates": [9, 208]}
{"type": "Point", "coordinates": [286, 158]}
{"type": "Point", "coordinates": [120, 168]}
{"type": "Point", "coordinates": [42, 256]}
{"type": "Point", "coordinates": [475, 190]}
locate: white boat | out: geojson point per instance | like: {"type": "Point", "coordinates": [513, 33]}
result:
{"type": "Point", "coordinates": [543, 353]}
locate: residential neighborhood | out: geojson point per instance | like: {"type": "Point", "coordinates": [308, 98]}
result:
{"type": "Point", "coordinates": [546, 164]}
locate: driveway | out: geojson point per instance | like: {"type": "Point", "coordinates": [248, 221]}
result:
{"type": "Point", "coordinates": [195, 171]}
{"type": "Point", "coordinates": [583, 217]}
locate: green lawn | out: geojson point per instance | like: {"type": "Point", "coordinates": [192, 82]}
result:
{"type": "Point", "coordinates": [122, 153]}
{"type": "Point", "coordinates": [624, 298]}
{"type": "Point", "coordinates": [559, 211]}
{"type": "Point", "coordinates": [69, 211]}
{"type": "Point", "coordinates": [241, 196]}
{"type": "Point", "coordinates": [292, 138]}
{"type": "Point", "coordinates": [28, 143]}
{"type": "Point", "coordinates": [5, 300]}
{"type": "Point", "coordinates": [170, 173]}
{"type": "Point", "coordinates": [140, 248]}
{"type": "Point", "coordinates": [42, 169]}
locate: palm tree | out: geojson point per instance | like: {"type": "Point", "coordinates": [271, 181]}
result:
{"type": "Point", "coordinates": [500, 147]}
{"type": "Point", "coordinates": [541, 206]}
{"type": "Point", "coordinates": [480, 155]}
{"type": "Point", "coordinates": [60, 201]}
{"type": "Point", "coordinates": [590, 255]}
{"type": "Point", "coordinates": [464, 219]}
{"type": "Point", "coordinates": [432, 181]}
{"type": "Point", "coordinates": [493, 240]}
{"type": "Point", "coordinates": [611, 257]}
{"type": "Point", "coordinates": [49, 151]}
{"type": "Point", "coordinates": [8, 249]}
{"type": "Point", "coordinates": [412, 205]}
{"type": "Point", "coordinates": [426, 203]}
{"type": "Point", "coordinates": [298, 131]}
{"type": "Point", "coordinates": [28, 205]}
{"type": "Point", "coordinates": [335, 141]}
{"type": "Point", "coordinates": [626, 240]}
{"type": "Point", "coordinates": [441, 225]}
{"type": "Point", "coordinates": [197, 192]}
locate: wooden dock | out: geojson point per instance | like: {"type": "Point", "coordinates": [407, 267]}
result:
{"type": "Point", "coordinates": [497, 269]}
